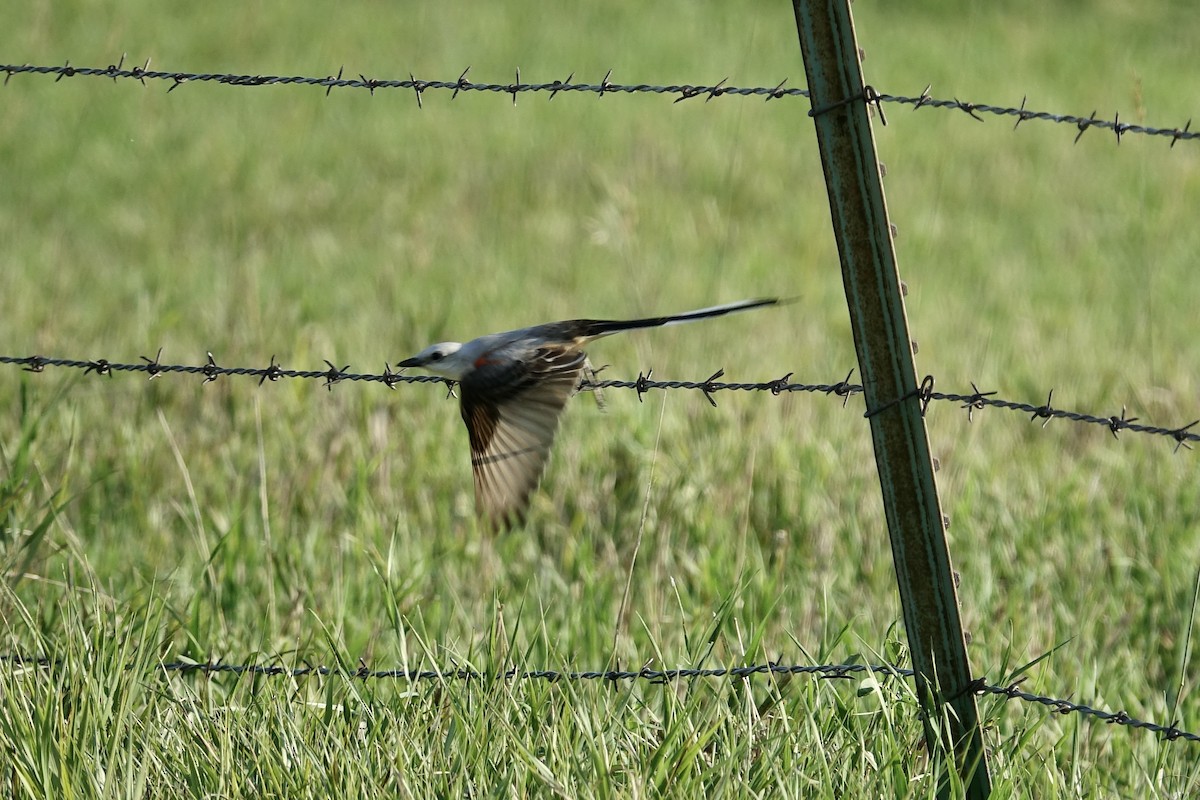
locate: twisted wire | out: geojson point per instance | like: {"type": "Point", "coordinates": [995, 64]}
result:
{"type": "Point", "coordinates": [1183, 436]}
{"type": "Point", "coordinates": [980, 686]}
{"type": "Point", "coordinates": [680, 92]}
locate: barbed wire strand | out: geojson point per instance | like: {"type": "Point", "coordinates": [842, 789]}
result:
{"type": "Point", "coordinates": [655, 676]}
{"type": "Point", "coordinates": [418, 86]}
{"type": "Point", "coordinates": [683, 92]}
{"type": "Point", "coordinates": [977, 400]}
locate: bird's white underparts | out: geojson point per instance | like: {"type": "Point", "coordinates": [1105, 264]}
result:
{"type": "Point", "coordinates": [513, 387]}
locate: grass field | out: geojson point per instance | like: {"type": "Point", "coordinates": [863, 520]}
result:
{"type": "Point", "coordinates": [153, 522]}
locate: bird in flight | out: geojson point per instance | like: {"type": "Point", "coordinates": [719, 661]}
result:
{"type": "Point", "coordinates": [513, 387]}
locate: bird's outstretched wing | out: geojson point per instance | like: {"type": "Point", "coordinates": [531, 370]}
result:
{"type": "Point", "coordinates": [511, 408]}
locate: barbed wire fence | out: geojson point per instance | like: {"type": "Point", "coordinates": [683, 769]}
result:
{"type": "Point", "coordinates": [606, 86]}
{"type": "Point", "coordinates": [827, 672]}
{"type": "Point", "coordinates": [1183, 436]}
{"type": "Point", "coordinates": [976, 400]}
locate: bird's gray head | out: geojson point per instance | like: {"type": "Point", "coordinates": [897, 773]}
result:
{"type": "Point", "coordinates": [440, 359]}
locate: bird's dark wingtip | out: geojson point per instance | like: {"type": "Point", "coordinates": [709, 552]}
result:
{"type": "Point", "coordinates": [504, 522]}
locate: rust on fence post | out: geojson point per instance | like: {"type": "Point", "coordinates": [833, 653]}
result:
{"type": "Point", "coordinates": [872, 283]}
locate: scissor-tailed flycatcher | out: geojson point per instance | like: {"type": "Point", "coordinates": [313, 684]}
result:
{"type": "Point", "coordinates": [513, 388]}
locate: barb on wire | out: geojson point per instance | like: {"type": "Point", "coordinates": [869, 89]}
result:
{"type": "Point", "coordinates": [825, 671]}
{"type": "Point", "coordinates": [710, 385]}
{"type": "Point", "coordinates": [980, 686]}
{"type": "Point", "coordinates": [1169, 733]}
{"type": "Point", "coordinates": [682, 92]}
{"type": "Point", "coordinates": [211, 370]}
{"type": "Point", "coordinates": [418, 86]}
{"type": "Point", "coordinates": [977, 400]}
{"type": "Point", "coordinates": [1023, 114]}
{"type": "Point", "coordinates": [333, 375]}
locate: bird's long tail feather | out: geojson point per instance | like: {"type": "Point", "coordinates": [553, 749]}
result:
{"type": "Point", "coordinates": [594, 328]}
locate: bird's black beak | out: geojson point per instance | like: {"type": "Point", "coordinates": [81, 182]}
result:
{"type": "Point", "coordinates": [411, 362]}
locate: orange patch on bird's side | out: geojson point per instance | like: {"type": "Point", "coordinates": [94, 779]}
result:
{"type": "Point", "coordinates": [483, 361]}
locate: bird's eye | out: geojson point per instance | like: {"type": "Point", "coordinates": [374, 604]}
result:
{"type": "Point", "coordinates": [436, 356]}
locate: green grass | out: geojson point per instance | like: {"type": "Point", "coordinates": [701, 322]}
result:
{"type": "Point", "coordinates": [149, 522]}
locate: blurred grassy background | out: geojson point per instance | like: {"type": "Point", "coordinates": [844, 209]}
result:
{"type": "Point", "coordinates": [284, 519]}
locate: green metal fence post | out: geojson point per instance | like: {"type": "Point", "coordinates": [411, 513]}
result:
{"type": "Point", "coordinates": [914, 517]}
